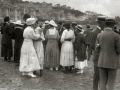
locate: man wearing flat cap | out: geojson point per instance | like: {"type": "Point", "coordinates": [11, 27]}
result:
{"type": "Point", "coordinates": [94, 33]}
{"type": "Point", "coordinates": [108, 45]}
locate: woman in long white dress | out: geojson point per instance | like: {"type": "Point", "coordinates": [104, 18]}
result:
{"type": "Point", "coordinates": [67, 51]}
{"type": "Point", "coordinates": [39, 48]}
{"type": "Point", "coordinates": [28, 59]}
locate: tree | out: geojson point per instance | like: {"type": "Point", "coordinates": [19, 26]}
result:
{"type": "Point", "coordinates": [15, 1]}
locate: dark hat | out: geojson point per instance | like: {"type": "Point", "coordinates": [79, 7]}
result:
{"type": "Point", "coordinates": [88, 26]}
{"type": "Point", "coordinates": [110, 20]}
{"type": "Point", "coordinates": [101, 18]}
{"type": "Point", "coordinates": [79, 27]}
{"type": "Point", "coordinates": [6, 19]}
{"type": "Point", "coordinates": [26, 16]}
{"type": "Point", "coordinates": [67, 25]}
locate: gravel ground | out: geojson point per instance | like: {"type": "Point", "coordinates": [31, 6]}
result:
{"type": "Point", "coordinates": [11, 79]}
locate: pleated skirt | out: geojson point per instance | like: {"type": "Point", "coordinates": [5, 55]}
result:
{"type": "Point", "coordinates": [52, 57]}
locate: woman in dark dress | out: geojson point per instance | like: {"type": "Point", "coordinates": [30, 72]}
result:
{"type": "Point", "coordinates": [6, 47]}
{"type": "Point", "coordinates": [80, 51]}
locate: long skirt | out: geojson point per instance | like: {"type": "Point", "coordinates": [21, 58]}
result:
{"type": "Point", "coordinates": [80, 64]}
{"type": "Point", "coordinates": [52, 54]}
{"type": "Point", "coordinates": [28, 59]}
{"type": "Point", "coordinates": [6, 50]}
{"type": "Point", "coordinates": [67, 54]}
{"type": "Point", "coordinates": [38, 45]}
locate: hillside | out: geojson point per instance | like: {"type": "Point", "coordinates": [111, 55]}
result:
{"type": "Point", "coordinates": [76, 12]}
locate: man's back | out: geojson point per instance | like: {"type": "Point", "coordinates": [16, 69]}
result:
{"type": "Point", "coordinates": [109, 43]}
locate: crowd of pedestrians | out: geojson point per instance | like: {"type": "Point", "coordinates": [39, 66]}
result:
{"type": "Point", "coordinates": [63, 45]}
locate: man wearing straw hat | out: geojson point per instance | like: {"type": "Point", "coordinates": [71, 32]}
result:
{"type": "Point", "coordinates": [108, 45]}
{"type": "Point", "coordinates": [17, 34]}
{"type": "Point", "coordinates": [94, 33]}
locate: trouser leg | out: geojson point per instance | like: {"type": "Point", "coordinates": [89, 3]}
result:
{"type": "Point", "coordinates": [95, 76]}
{"type": "Point", "coordinates": [111, 78]}
{"type": "Point", "coordinates": [103, 78]}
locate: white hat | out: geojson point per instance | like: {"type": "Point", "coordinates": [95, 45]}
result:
{"type": "Point", "coordinates": [18, 22]}
{"type": "Point", "coordinates": [79, 27]}
{"type": "Point", "coordinates": [47, 22]}
{"type": "Point", "coordinates": [31, 21]}
{"type": "Point", "coordinates": [53, 23]}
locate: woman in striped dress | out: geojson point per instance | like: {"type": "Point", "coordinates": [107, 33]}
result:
{"type": "Point", "coordinates": [52, 49]}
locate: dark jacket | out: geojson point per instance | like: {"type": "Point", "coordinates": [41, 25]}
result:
{"type": "Point", "coordinates": [109, 45]}
{"type": "Point", "coordinates": [79, 46]}
{"type": "Point", "coordinates": [93, 37]}
{"type": "Point", "coordinates": [87, 37]}
{"type": "Point", "coordinates": [17, 34]}
{"type": "Point", "coordinates": [6, 34]}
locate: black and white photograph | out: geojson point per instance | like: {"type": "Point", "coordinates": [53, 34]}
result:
{"type": "Point", "coordinates": [59, 44]}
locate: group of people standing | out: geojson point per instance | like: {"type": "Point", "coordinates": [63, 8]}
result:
{"type": "Point", "coordinates": [52, 45]}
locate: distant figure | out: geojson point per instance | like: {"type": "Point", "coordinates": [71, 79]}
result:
{"type": "Point", "coordinates": [87, 41]}
{"type": "Point", "coordinates": [108, 45]}
{"type": "Point", "coordinates": [45, 27]}
{"type": "Point", "coordinates": [25, 17]}
{"type": "Point", "coordinates": [6, 48]}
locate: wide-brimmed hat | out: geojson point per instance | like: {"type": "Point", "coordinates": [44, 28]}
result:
{"type": "Point", "coordinates": [18, 23]}
{"type": "Point", "coordinates": [110, 20]}
{"type": "Point", "coordinates": [79, 27]}
{"type": "Point", "coordinates": [101, 18]}
{"type": "Point", "coordinates": [52, 23]}
{"type": "Point", "coordinates": [31, 21]}
{"type": "Point", "coordinates": [46, 22]}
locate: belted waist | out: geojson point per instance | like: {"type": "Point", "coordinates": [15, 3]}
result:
{"type": "Point", "coordinates": [27, 39]}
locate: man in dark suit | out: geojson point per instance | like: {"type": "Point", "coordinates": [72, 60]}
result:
{"type": "Point", "coordinates": [94, 33]}
{"type": "Point", "coordinates": [17, 35]}
{"type": "Point", "coordinates": [6, 41]}
{"type": "Point", "coordinates": [87, 40]}
{"type": "Point", "coordinates": [109, 55]}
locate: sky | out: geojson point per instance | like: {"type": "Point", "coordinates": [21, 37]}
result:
{"type": "Point", "coordinates": [109, 8]}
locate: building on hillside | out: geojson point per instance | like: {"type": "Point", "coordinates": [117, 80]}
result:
{"type": "Point", "coordinates": [7, 9]}
{"type": "Point", "coordinates": [70, 16]}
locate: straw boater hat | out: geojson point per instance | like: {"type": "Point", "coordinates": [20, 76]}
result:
{"type": "Point", "coordinates": [18, 23]}
{"type": "Point", "coordinates": [46, 22]}
{"type": "Point", "coordinates": [110, 20]}
{"type": "Point", "coordinates": [31, 21]}
{"type": "Point", "coordinates": [79, 27]}
{"type": "Point", "coordinates": [52, 23]}
{"type": "Point", "coordinates": [101, 18]}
